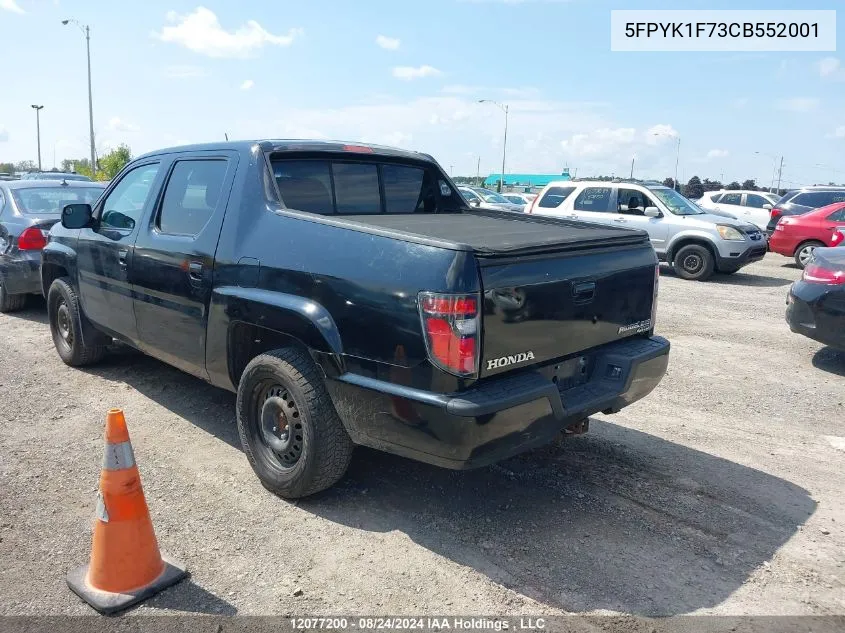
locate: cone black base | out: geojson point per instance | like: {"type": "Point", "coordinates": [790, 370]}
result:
{"type": "Point", "coordinates": [107, 602]}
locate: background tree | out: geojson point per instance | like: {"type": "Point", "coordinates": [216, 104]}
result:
{"type": "Point", "coordinates": [734, 186]}
{"type": "Point", "coordinates": [25, 165]}
{"type": "Point", "coordinates": [750, 185]}
{"type": "Point", "coordinates": [669, 182]}
{"type": "Point", "coordinates": [694, 189]}
{"type": "Point", "coordinates": [711, 185]}
{"type": "Point", "coordinates": [7, 168]}
{"type": "Point", "coordinates": [112, 162]}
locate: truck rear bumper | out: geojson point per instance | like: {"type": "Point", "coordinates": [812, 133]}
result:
{"type": "Point", "coordinates": [499, 418]}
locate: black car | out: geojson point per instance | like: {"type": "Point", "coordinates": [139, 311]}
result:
{"type": "Point", "coordinates": [28, 208]}
{"type": "Point", "coordinates": [816, 303]}
{"type": "Point", "coordinates": [801, 201]}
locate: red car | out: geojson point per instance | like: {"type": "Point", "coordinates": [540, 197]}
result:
{"type": "Point", "coordinates": [798, 235]}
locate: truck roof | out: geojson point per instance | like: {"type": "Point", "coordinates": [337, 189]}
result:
{"type": "Point", "coordinates": [296, 145]}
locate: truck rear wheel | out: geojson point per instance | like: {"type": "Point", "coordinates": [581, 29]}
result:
{"type": "Point", "coordinates": [66, 327]}
{"type": "Point", "coordinates": [289, 429]}
{"type": "Point", "coordinates": [694, 262]}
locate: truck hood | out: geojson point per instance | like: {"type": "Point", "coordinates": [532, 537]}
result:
{"type": "Point", "coordinates": [707, 221]}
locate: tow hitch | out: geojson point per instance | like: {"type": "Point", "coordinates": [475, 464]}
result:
{"type": "Point", "coordinates": [579, 428]}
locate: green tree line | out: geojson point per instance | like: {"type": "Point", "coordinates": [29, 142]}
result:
{"type": "Point", "coordinates": [108, 165]}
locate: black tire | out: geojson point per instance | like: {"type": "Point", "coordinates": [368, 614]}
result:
{"type": "Point", "coordinates": [694, 262]}
{"type": "Point", "coordinates": [66, 327]}
{"type": "Point", "coordinates": [805, 251]}
{"type": "Point", "coordinates": [9, 302]}
{"type": "Point", "coordinates": [283, 402]}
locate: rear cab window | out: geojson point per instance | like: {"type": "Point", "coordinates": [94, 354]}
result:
{"type": "Point", "coordinates": [554, 197]}
{"type": "Point", "coordinates": [344, 187]}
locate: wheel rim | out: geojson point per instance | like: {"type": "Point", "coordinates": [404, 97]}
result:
{"type": "Point", "coordinates": [64, 324]}
{"type": "Point", "coordinates": [692, 263]}
{"type": "Point", "coordinates": [805, 253]}
{"type": "Point", "coordinates": [280, 424]}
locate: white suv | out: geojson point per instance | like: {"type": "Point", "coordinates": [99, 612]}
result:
{"type": "Point", "coordinates": [753, 206]}
{"type": "Point", "coordinates": [682, 233]}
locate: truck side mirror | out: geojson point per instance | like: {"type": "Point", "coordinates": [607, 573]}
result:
{"type": "Point", "coordinates": [77, 216]}
{"type": "Point", "coordinates": [475, 203]}
{"type": "Point", "coordinates": [652, 212]}
{"type": "Point", "coordinates": [767, 206]}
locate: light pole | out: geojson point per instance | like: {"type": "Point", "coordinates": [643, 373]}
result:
{"type": "Point", "coordinates": [87, 32]}
{"type": "Point", "coordinates": [503, 108]}
{"type": "Point", "coordinates": [677, 155]}
{"type": "Point", "coordinates": [775, 167]}
{"type": "Point", "coordinates": [38, 109]}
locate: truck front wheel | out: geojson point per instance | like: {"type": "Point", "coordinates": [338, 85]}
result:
{"type": "Point", "coordinates": [66, 327]}
{"type": "Point", "coordinates": [289, 429]}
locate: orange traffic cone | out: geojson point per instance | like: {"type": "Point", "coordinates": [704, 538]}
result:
{"type": "Point", "coordinates": [126, 565]}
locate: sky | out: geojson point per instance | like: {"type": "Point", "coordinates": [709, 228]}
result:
{"type": "Point", "coordinates": [410, 74]}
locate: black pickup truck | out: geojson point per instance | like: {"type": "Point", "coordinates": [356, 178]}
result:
{"type": "Point", "coordinates": [349, 295]}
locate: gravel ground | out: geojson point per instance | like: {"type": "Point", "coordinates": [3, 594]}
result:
{"type": "Point", "coordinates": [719, 493]}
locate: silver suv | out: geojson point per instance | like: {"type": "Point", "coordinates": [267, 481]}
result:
{"type": "Point", "coordinates": [683, 234]}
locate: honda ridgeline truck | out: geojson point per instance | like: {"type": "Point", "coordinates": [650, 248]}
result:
{"type": "Point", "coordinates": [349, 295]}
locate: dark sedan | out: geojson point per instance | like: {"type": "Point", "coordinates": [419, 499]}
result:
{"type": "Point", "coordinates": [816, 303]}
{"type": "Point", "coordinates": [28, 208]}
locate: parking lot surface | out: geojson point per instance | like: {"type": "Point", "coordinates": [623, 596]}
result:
{"type": "Point", "coordinates": [721, 492]}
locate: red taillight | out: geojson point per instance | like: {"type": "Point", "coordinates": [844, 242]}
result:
{"type": "Point", "coordinates": [32, 239]}
{"type": "Point", "coordinates": [775, 213]}
{"type": "Point", "coordinates": [360, 149]}
{"type": "Point", "coordinates": [451, 330]}
{"type": "Point", "coordinates": [530, 207]}
{"type": "Point", "coordinates": [837, 237]}
{"type": "Point", "coordinates": [816, 274]}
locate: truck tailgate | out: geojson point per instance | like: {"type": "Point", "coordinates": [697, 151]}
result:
{"type": "Point", "coordinates": [542, 308]}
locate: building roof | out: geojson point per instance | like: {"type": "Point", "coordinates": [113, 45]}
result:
{"type": "Point", "coordinates": [534, 180]}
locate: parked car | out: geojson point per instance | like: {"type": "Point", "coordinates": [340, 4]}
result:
{"type": "Point", "coordinates": [349, 295]}
{"type": "Point", "coordinates": [798, 236]}
{"type": "Point", "coordinates": [28, 208]}
{"type": "Point", "coordinates": [523, 199]}
{"type": "Point", "coordinates": [481, 198]}
{"type": "Point", "coordinates": [800, 201]}
{"type": "Point", "coordinates": [683, 234]}
{"type": "Point", "coordinates": [751, 206]}
{"type": "Point", "coordinates": [55, 175]}
{"type": "Point", "coordinates": [816, 303]}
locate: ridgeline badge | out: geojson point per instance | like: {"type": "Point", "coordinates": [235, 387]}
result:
{"type": "Point", "coordinates": [504, 361]}
{"type": "Point", "coordinates": [641, 326]}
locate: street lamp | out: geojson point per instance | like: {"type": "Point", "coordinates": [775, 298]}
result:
{"type": "Point", "coordinates": [87, 32]}
{"type": "Point", "coordinates": [38, 109]}
{"type": "Point", "coordinates": [503, 108]}
{"type": "Point", "coordinates": [779, 169]}
{"type": "Point", "coordinates": [677, 155]}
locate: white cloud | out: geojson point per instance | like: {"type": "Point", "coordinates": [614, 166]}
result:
{"type": "Point", "coordinates": [184, 72]}
{"type": "Point", "coordinates": [202, 33]}
{"type": "Point", "coordinates": [660, 133]}
{"type": "Point", "coordinates": [831, 68]}
{"type": "Point", "coordinates": [798, 104]}
{"type": "Point", "coordinates": [839, 132]}
{"type": "Point", "coordinates": [598, 143]}
{"type": "Point", "coordinates": [10, 5]}
{"type": "Point", "coordinates": [4, 134]}
{"type": "Point", "coordinates": [117, 124]}
{"type": "Point", "coordinates": [407, 73]}
{"type": "Point", "coordinates": [717, 153]}
{"type": "Point", "coordinates": [246, 85]}
{"type": "Point", "coordinates": [389, 43]}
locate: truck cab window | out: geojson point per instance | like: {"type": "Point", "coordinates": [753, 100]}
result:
{"type": "Point", "coordinates": [191, 195]}
{"type": "Point", "coordinates": [356, 188]}
{"type": "Point", "coordinates": [305, 185]}
{"type": "Point", "coordinates": [123, 207]}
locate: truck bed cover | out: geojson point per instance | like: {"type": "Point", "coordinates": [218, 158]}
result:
{"type": "Point", "coordinates": [503, 233]}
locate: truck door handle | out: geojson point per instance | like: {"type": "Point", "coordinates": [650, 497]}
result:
{"type": "Point", "coordinates": [121, 258]}
{"type": "Point", "coordinates": [195, 271]}
{"type": "Point", "coordinates": [621, 220]}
